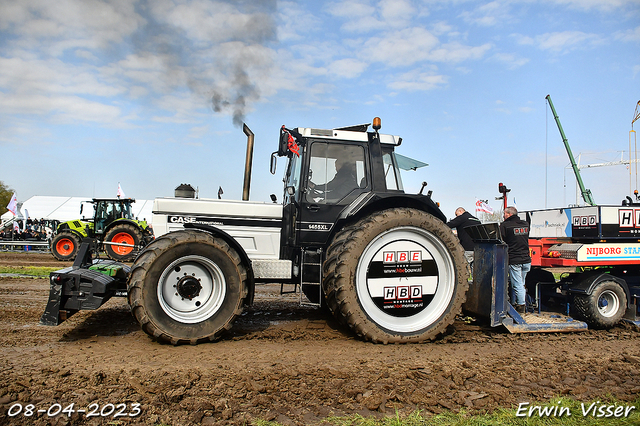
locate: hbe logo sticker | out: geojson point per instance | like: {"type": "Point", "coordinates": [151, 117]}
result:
{"type": "Point", "coordinates": [394, 257]}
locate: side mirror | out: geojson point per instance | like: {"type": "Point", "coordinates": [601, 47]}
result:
{"type": "Point", "coordinates": [291, 190]}
{"type": "Point", "coordinates": [273, 198]}
{"type": "Point", "coordinates": [81, 206]}
{"type": "Point", "coordinates": [272, 165]}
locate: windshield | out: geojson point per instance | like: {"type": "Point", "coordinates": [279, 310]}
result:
{"type": "Point", "coordinates": [126, 211]}
{"type": "Point", "coordinates": [335, 171]}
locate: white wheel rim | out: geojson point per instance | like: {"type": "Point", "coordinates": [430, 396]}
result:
{"type": "Point", "coordinates": [608, 303]}
{"type": "Point", "coordinates": [441, 285]}
{"type": "Point", "coordinates": [197, 307]}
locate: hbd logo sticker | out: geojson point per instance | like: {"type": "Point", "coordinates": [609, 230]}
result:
{"type": "Point", "coordinates": [402, 292]}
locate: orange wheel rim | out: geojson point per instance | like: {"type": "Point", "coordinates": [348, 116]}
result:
{"type": "Point", "coordinates": [122, 238]}
{"type": "Point", "coordinates": [65, 246]}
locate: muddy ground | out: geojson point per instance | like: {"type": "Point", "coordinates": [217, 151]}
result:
{"type": "Point", "coordinates": [281, 362]}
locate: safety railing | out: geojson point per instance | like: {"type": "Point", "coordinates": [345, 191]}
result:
{"type": "Point", "coordinates": [24, 245]}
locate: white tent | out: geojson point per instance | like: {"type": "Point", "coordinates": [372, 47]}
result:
{"type": "Point", "coordinates": [68, 208]}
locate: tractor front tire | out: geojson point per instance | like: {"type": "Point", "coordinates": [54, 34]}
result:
{"type": "Point", "coordinates": [125, 233]}
{"type": "Point", "coordinates": [65, 246]}
{"type": "Point", "coordinates": [604, 307]}
{"type": "Point", "coordinates": [396, 276]}
{"type": "Point", "coordinates": [187, 287]}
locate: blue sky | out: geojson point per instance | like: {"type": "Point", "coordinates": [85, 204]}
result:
{"type": "Point", "coordinates": [151, 94]}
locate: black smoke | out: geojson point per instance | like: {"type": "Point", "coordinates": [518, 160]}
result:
{"type": "Point", "coordinates": [219, 73]}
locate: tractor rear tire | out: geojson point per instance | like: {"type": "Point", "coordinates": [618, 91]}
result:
{"type": "Point", "coordinates": [187, 287]}
{"type": "Point", "coordinates": [65, 246]}
{"type": "Point", "coordinates": [604, 307]}
{"type": "Point", "coordinates": [124, 233]}
{"type": "Point", "coordinates": [396, 276]}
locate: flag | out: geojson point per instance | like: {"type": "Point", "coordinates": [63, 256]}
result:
{"type": "Point", "coordinates": [120, 191]}
{"type": "Point", "coordinates": [13, 204]}
{"type": "Point", "coordinates": [481, 206]}
{"type": "Point", "coordinates": [514, 203]}
{"type": "Point", "coordinates": [24, 221]}
{"type": "Point", "coordinates": [16, 227]}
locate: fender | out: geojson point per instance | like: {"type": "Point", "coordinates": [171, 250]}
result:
{"type": "Point", "coordinates": [74, 232]}
{"type": "Point", "coordinates": [120, 222]}
{"type": "Point", "coordinates": [369, 202]}
{"type": "Point", "coordinates": [372, 201]}
{"type": "Point", "coordinates": [585, 283]}
{"type": "Point", "coordinates": [237, 247]}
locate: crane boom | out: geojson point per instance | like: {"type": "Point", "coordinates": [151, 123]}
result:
{"type": "Point", "coordinates": [586, 193]}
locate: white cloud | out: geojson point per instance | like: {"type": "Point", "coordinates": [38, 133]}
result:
{"type": "Point", "coordinates": [362, 25]}
{"type": "Point", "coordinates": [61, 25]}
{"type": "Point", "coordinates": [363, 16]}
{"type": "Point", "coordinates": [214, 21]}
{"type": "Point", "coordinates": [351, 9]}
{"type": "Point", "coordinates": [347, 68]}
{"type": "Point", "coordinates": [512, 61]}
{"type": "Point", "coordinates": [396, 13]}
{"type": "Point", "coordinates": [185, 56]}
{"type": "Point", "coordinates": [441, 27]}
{"type": "Point", "coordinates": [561, 42]}
{"type": "Point", "coordinates": [155, 49]}
{"type": "Point", "coordinates": [24, 76]}
{"type": "Point", "coordinates": [400, 48]}
{"type": "Point", "coordinates": [605, 5]}
{"type": "Point", "coordinates": [60, 108]}
{"type": "Point", "coordinates": [456, 52]}
{"type": "Point", "coordinates": [489, 14]}
{"type": "Point", "coordinates": [566, 40]}
{"type": "Point", "coordinates": [629, 35]}
{"type": "Point", "coordinates": [418, 81]}
{"type": "Point", "coordinates": [198, 132]}
{"type": "Point", "coordinates": [294, 21]}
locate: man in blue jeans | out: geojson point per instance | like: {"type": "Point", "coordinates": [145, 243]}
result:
{"type": "Point", "coordinates": [515, 233]}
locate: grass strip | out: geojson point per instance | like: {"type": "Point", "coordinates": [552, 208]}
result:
{"type": "Point", "coordinates": [33, 271]}
{"type": "Point", "coordinates": [559, 411]}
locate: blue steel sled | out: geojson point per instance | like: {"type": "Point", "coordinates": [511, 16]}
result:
{"type": "Point", "coordinates": [487, 295]}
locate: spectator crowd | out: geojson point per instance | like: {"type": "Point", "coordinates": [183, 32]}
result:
{"type": "Point", "coordinates": [33, 230]}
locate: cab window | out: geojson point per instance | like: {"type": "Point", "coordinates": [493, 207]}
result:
{"type": "Point", "coordinates": [335, 172]}
{"type": "Point", "coordinates": [392, 172]}
{"type": "Point", "coordinates": [292, 177]}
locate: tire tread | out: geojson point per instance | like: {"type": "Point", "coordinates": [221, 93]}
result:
{"type": "Point", "coordinates": [338, 272]}
{"type": "Point", "coordinates": [150, 255]}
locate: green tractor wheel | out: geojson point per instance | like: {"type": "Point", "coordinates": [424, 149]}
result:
{"type": "Point", "coordinates": [125, 233]}
{"type": "Point", "coordinates": [65, 246]}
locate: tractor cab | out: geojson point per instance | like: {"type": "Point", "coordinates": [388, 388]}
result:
{"type": "Point", "coordinates": [108, 210]}
{"type": "Point", "coordinates": [334, 176]}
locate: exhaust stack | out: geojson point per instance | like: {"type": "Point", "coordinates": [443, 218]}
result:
{"type": "Point", "coordinates": [248, 162]}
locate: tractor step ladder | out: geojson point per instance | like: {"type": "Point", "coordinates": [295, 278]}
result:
{"type": "Point", "coordinates": [310, 260]}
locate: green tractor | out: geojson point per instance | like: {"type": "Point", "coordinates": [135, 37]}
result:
{"type": "Point", "coordinates": [113, 226]}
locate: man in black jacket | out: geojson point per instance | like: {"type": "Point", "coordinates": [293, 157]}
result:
{"type": "Point", "coordinates": [462, 220]}
{"type": "Point", "coordinates": [515, 233]}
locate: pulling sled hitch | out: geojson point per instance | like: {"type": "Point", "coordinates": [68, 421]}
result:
{"type": "Point", "coordinates": [86, 285]}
